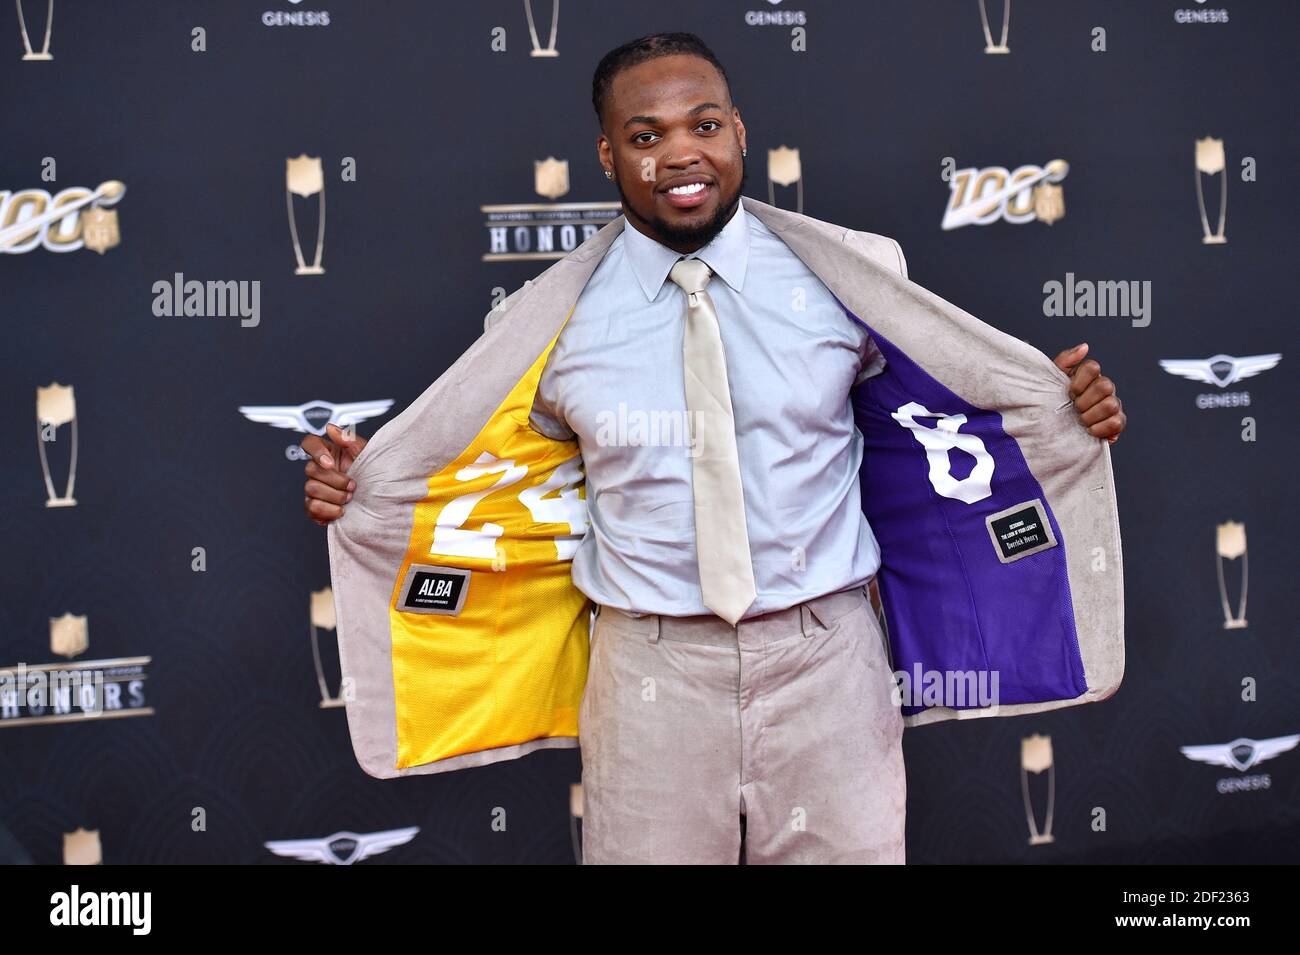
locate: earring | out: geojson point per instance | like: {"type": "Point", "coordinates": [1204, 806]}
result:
{"type": "Point", "coordinates": [608, 174]}
{"type": "Point", "coordinates": [744, 152]}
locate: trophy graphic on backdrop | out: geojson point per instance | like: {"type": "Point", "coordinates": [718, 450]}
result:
{"type": "Point", "coordinates": [575, 820]}
{"type": "Point", "coordinates": [45, 53]}
{"type": "Point", "coordinates": [538, 49]}
{"type": "Point", "coordinates": [82, 847]}
{"type": "Point", "coordinates": [305, 177]}
{"type": "Point", "coordinates": [1036, 757]}
{"type": "Point", "coordinates": [322, 616]}
{"type": "Point", "coordinates": [1230, 540]}
{"type": "Point", "coordinates": [784, 169]}
{"type": "Point", "coordinates": [989, 45]}
{"type": "Point", "coordinates": [56, 405]}
{"type": "Point", "coordinates": [1210, 160]}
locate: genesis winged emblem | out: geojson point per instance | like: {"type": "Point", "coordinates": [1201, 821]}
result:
{"type": "Point", "coordinates": [343, 848]}
{"type": "Point", "coordinates": [1240, 754]}
{"type": "Point", "coordinates": [312, 417]}
{"type": "Point", "coordinates": [1221, 370]}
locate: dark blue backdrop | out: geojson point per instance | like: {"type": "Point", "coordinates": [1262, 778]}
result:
{"type": "Point", "coordinates": [440, 124]}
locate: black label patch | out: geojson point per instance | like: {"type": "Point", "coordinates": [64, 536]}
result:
{"type": "Point", "coordinates": [1020, 531]}
{"type": "Point", "coordinates": [434, 590]}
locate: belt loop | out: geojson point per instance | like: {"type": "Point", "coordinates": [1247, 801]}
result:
{"type": "Point", "coordinates": [810, 619]}
{"type": "Point", "coordinates": [820, 613]}
{"type": "Point", "coordinates": [653, 631]}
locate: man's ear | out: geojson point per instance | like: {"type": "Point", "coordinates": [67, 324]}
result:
{"type": "Point", "coordinates": [740, 126]}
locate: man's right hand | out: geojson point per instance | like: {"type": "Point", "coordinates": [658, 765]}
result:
{"type": "Point", "coordinates": [328, 486]}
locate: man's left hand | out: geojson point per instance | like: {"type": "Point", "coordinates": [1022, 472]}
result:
{"type": "Point", "coordinates": [1100, 411]}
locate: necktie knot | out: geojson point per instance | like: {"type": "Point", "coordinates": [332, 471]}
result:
{"type": "Point", "coordinates": [692, 275]}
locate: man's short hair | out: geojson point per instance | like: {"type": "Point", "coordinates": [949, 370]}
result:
{"type": "Point", "coordinates": [639, 51]}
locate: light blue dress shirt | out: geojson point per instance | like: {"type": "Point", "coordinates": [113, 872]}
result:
{"type": "Point", "coordinates": [615, 379]}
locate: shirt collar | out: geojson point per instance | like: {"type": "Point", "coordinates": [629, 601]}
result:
{"type": "Point", "coordinates": [726, 254]}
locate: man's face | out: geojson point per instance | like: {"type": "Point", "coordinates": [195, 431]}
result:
{"type": "Point", "coordinates": [668, 124]}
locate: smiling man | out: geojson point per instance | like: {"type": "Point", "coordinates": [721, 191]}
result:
{"type": "Point", "coordinates": [737, 703]}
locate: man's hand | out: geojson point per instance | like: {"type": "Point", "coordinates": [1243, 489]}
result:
{"type": "Point", "coordinates": [1100, 411]}
{"type": "Point", "coordinates": [328, 486]}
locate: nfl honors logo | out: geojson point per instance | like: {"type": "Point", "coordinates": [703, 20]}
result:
{"type": "Point", "coordinates": [540, 231]}
{"type": "Point", "coordinates": [72, 692]}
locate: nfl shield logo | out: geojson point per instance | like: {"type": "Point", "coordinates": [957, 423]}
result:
{"type": "Point", "coordinates": [551, 177]}
{"type": "Point", "coordinates": [1210, 157]}
{"type": "Point", "coordinates": [69, 635]}
{"type": "Point", "coordinates": [82, 847]}
{"type": "Point", "coordinates": [304, 176]}
{"type": "Point", "coordinates": [1231, 539]}
{"type": "Point", "coordinates": [1049, 202]}
{"type": "Point", "coordinates": [99, 229]}
{"type": "Point", "coordinates": [322, 609]}
{"type": "Point", "coordinates": [783, 166]}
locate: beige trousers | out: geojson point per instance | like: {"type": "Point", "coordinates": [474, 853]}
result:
{"type": "Point", "coordinates": [774, 741]}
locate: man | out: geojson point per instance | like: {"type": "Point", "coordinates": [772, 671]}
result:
{"type": "Point", "coordinates": [728, 574]}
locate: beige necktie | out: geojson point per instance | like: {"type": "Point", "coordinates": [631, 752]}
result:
{"type": "Point", "coordinates": [721, 540]}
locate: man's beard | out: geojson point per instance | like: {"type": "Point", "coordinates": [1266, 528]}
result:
{"type": "Point", "coordinates": [695, 236]}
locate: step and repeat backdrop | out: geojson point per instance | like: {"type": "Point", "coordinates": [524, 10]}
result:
{"type": "Point", "coordinates": [225, 224]}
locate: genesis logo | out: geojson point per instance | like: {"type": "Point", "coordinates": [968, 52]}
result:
{"type": "Point", "coordinates": [1221, 371]}
{"type": "Point", "coordinates": [1241, 754]}
{"type": "Point", "coordinates": [296, 18]}
{"type": "Point", "coordinates": [343, 848]}
{"type": "Point", "coordinates": [312, 417]}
